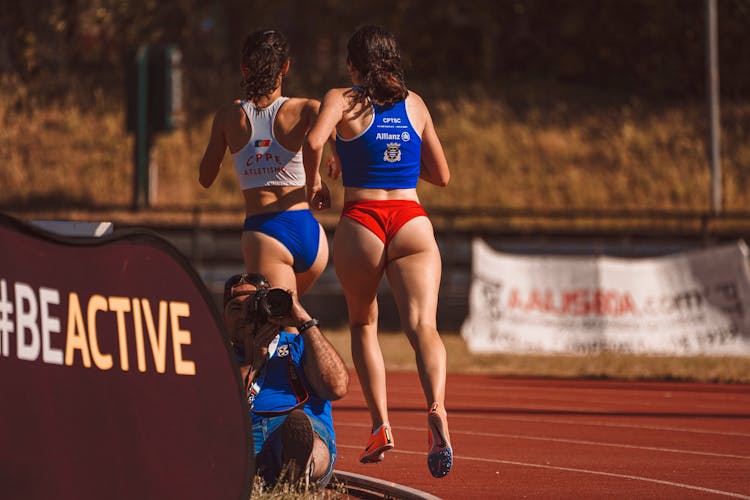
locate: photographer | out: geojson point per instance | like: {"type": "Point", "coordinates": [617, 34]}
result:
{"type": "Point", "coordinates": [290, 379]}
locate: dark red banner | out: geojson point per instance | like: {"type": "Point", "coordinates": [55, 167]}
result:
{"type": "Point", "coordinates": [116, 379]}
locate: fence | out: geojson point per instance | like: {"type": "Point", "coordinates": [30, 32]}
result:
{"type": "Point", "coordinates": [209, 237]}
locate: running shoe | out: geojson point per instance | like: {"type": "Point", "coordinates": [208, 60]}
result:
{"type": "Point", "coordinates": [380, 441]}
{"type": "Point", "coordinates": [440, 454]}
{"type": "Point", "coordinates": [297, 437]}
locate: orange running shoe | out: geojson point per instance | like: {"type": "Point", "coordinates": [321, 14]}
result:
{"type": "Point", "coordinates": [381, 440]}
{"type": "Point", "coordinates": [440, 454]}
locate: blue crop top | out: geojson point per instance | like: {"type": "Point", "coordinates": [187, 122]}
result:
{"type": "Point", "coordinates": [386, 155]}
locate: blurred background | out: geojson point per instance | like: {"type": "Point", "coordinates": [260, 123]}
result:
{"type": "Point", "coordinates": [569, 126]}
{"type": "Point", "coordinates": [540, 103]}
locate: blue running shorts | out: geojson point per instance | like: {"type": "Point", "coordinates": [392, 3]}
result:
{"type": "Point", "coordinates": [297, 230]}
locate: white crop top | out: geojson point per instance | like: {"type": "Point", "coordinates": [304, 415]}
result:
{"type": "Point", "coordinates": [263, 161]}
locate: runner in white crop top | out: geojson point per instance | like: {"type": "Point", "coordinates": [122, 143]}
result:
{"type": "Point", "coordinates": [264, 161]}
{"type": "Point", "coordinates": [264, 132]}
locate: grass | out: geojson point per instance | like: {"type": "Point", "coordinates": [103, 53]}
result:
{"type": "Point", "coordinates": [286, 490]}
{"type": "Point", "coordinates": [552, 151]}
{"type": "Point", "coordinates": [626, 156]}
{"type": "Point", "coordinates": [399, 356]}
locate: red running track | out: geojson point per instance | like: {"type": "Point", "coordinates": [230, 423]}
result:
{"type": "Point", "coordinates": [545, 438]}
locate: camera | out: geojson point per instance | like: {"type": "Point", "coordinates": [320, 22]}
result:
{"type": "Point", "coordinates": [269, 303]}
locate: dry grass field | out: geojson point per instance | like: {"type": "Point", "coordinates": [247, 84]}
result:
{"type": "Point", "coordinates": [525, 149]}
{"type": "Point", "coordinates": [399, 356]}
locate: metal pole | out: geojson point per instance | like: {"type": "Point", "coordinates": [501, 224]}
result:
{"type": "Point", "coordinates": [712, 61]}
{"type": "Point", "coordinates": [142, 139]}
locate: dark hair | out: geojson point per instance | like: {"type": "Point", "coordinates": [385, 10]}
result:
{"type": "Point", "coordinates": [374, 52]}
{"type": "Point", "coordinates": [264, 53]}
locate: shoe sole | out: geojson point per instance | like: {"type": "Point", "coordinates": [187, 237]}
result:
{"type": "Point", "coordinates": [440, 456]}
{"type": "Point", "coordinates": [377, 455]}
{"type": "Point", "coordinates": [297, 437]}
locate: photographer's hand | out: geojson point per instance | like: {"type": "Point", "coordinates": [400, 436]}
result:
{"type": "Point", "coordinates": [324, 368]}
{"type": "Point", "coordinates": [257, 344]}
{"type": "Point", "coordinates": [256, 347]}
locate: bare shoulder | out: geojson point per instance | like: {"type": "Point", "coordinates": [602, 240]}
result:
{"type": "Point", "coordinates": [417, 110]}
{"type": "Point", "coordinates": [230, 112]}
{"type": "Point", "coordinates": [416, 104]}
{"type": "Point", "coordinates": [297, 105]}
{"type": "Point", "coordinates": [416, 98]}
{"type": "Point", "coordinates": [301, 107]}
{"type": "Point", "coordinates": [336, 94]}
{"type": "Point", "coordinates": [310, 105]}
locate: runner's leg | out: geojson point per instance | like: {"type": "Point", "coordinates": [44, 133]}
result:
{"type": "Point", "coordinates": [358, 257]}
{"type": "Point", "coordinates": [413, 270]}
{"type": "Point", "coordinates": [306, 279]}
{"type": "Point", "coordinates": [268, 256]}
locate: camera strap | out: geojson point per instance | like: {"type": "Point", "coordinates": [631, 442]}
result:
{"type": "Point", "coordinates": [295, 381]}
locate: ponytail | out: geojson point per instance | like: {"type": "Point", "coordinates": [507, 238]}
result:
{"type": "Point", "coordinates": [375, 54]}
{"type": "Point", "coordinates": [264, 54]}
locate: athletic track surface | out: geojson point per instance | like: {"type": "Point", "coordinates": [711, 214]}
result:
{"type": "Point", "coordinates": [560, 438]}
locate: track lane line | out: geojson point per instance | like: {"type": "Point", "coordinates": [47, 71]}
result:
{"type": "Point", "coordinates": [568, 441]}
{"type": "Point", "coordinates": [576, 470]}
{"type": "Point", "coordinates": [617, 400]}
{"type": "Point", "coordinates": [605, 424]}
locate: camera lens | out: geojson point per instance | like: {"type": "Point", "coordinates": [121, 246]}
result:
{"type": "Point", "coordinates": [278, 303]}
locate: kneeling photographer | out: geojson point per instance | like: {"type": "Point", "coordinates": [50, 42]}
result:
{"type": "Point", "coordinates": [290, 379]}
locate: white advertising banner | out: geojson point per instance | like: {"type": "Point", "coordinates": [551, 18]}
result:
{"type": "Point", "coordinates": [696, 302]}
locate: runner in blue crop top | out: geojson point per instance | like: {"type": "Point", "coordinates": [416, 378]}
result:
{"type": "Point", "coordinates": [385, 141]}
{"type": "Point", "coordinates": [264, 132]}
{"type": "Point", "coordinates": [386, 155]}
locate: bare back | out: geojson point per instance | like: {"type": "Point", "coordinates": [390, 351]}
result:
{"type": "Point", "coordinates": [232, 130]}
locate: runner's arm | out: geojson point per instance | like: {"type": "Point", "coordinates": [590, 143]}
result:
{"type": "Point", "coordinates": [322, 130]}
{"type": "Point", "coordinates": [434, 168]}
{"type": "Point", "coordinates": [214, 154]}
